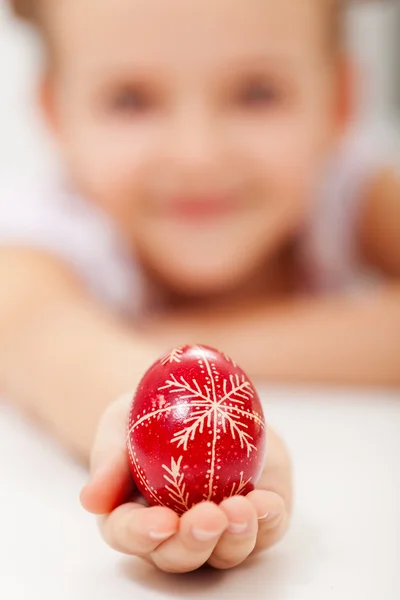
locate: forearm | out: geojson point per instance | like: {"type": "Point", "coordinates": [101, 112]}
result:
{"type": "Point", "coordinates": [63, 358]}
{"type": "Point", "coordinates": [339, 340]}
{"type": "Point", "coordinates": [349, 341]}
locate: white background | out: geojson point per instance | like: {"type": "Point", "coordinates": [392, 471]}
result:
{"type": "Point", "coordinates": [344, 542]}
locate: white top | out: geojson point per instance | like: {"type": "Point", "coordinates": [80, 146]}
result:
{"type": "Point", "coordinates": [47, 216]}
{"type": "Point", "coordinates": [53, 218]}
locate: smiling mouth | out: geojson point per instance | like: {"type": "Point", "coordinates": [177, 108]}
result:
{"type": "Point", "coordinates": [201, 209]}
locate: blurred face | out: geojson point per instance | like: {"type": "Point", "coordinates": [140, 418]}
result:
{"type": "Point", "coordinates": [200, 127]}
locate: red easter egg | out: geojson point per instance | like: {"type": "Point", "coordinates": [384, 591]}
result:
{"type": "Point", "coordinates": [196, 430]}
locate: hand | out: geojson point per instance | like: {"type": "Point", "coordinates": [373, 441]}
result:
{"type": "Point", "coordinates": [222, 536]}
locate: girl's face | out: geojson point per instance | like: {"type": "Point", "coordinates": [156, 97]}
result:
{"type": "Point", "coordinates": [201, 127]}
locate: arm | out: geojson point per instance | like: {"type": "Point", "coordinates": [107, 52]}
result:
{"type": "Point", "coordinates": [351, 341]}
{"type": "Point", "coordinates": [342, 339]}
{"type": "Point", "coordinates": [62, 357]}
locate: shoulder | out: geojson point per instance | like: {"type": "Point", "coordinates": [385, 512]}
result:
{"type": "Point", "coordinates": [359, 188]}
{"type": "Point", "coordinates": [378, 224]}
{"type": "Point", "coordinates": [365, 184]}
{"type": "Point", "coordinates": [50, 217]}
{"type": "Point", "coordinates": [46, 214]}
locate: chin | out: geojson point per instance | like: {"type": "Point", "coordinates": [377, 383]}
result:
{"type": "Point", "coordinates": [196, 282]}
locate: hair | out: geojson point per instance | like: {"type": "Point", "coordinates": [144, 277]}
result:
{"type": "Point", "coordinates": [30, 10]}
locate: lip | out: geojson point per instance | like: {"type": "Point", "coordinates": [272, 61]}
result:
{"type": "Point", "coordinates": [201, 209]}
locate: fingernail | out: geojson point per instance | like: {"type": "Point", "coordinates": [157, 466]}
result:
{"type": "Point", "coordinates": [263, 517]}
{"type": "Point", "coordinates": [237, 527]}
{"type": "Point", "coordinates": [268, 517]}
{"type": "Point", "coordinates": [160, 535]}
{"type": "Point", "coordinates": [205, 536]}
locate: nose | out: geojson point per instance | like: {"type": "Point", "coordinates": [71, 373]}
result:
{"type": "Point", "coordinates": [196, 144]}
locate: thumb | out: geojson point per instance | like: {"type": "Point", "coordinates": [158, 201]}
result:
{"type": "Point", "coordinates": [110, 483]}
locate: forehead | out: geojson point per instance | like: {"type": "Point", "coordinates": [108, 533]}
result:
{"type": "Point", "coordinates": [153, 31]}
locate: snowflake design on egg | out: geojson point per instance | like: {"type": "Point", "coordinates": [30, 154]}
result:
{"type": "Point", "coordinates": [219, 406]}
{"type": "Point", "coordinates": [211, 410]}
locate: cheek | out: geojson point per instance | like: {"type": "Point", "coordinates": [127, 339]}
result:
{"type": "Point", "coordinates": [286, 155]}
{"type": "Point", "coordinates": [107, 168]}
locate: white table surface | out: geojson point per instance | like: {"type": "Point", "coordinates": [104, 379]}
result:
{"type": "Point", "coordinates": [344, 542]}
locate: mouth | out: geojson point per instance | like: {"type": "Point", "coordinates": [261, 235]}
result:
{"type": "Point", "coordinates": [201, 209]}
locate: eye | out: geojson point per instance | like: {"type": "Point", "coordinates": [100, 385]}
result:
{"type": "Point", "coordinates": [259, 94]}
{"type": "Point", "coordinates": [131, 100]}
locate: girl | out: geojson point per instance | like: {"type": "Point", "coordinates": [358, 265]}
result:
{"type": "Point", "coordinates": [208, 197]}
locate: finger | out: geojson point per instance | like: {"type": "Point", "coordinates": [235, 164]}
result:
{"type": "Point", "coordinates": [273, 517]}
{"type": "Point", "coordinates": [110, 481]}
{"type": "Point", "coordinates": [277, 474]}
{"type": "Point", "coordinates": [135, 530]}
{"type": "Point", "coordinates": [239, 539]}
{"type": "Point", "coordinates": [199, 531]}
